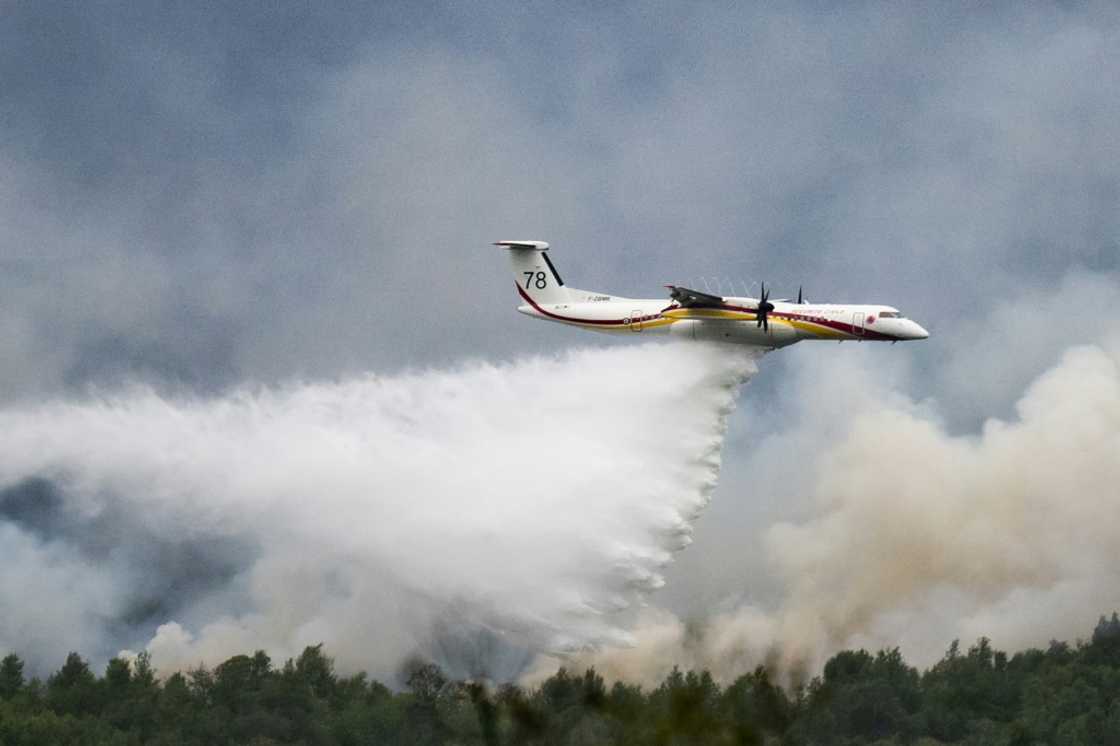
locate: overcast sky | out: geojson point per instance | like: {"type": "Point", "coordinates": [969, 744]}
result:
{"type": "Point", "coordinates": [203, 195]}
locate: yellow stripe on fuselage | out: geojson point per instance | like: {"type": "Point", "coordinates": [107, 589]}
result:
{"type": "Point", "coordinates": [707, 313]}
{"type": "Point", "coordinates": [818, 330]}
{"type": "Point", "coordinates": [679, 314]}
{"type": "Point", "coordinates": [811, 328]}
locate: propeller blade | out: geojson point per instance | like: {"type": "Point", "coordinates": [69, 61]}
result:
{"type": "Point", "coordinates": [799, 300]}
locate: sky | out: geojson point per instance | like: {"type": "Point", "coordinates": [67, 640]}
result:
{"type": "Point", "coordinates": [203, 197]}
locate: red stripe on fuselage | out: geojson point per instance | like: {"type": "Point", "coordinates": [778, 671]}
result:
{"type": "Point", "coordinates": [558, 317]}
{"type": "Point", "coordinates": [839, 326]}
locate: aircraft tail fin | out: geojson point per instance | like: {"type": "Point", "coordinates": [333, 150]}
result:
{"type": "Point", "coordinates": [536, 276]}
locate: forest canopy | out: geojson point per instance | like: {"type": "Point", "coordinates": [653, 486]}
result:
{"type": "Point", "coordinates": [1065, 694]}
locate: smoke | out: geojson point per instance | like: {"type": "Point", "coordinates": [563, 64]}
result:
{"type": "Point", "coordinates": [484, 515]}
{"type": "Point", "coordinates": [912, 535]}
{"type": "Point", "coordinates": [474, 515]}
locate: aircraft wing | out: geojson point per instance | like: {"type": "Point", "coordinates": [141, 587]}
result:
{"type": "Point", "coordinates": [693, 298]}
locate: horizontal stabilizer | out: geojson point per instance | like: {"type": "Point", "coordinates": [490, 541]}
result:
{"type": "Point", "coordinates": [534, 245]}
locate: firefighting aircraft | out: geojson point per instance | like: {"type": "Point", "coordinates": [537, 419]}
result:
{"type": "Point", "coordinates": [691, 314]}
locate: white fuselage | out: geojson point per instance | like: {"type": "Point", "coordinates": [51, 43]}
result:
{"type": "Point", "coordinates": [735, 322]}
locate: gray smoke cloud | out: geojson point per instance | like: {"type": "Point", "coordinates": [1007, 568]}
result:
{"type": "Point", "coordinates": [524, 506]}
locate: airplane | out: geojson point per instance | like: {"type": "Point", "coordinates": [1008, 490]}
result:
{"type": "Point", "coordinates": [691, 314]}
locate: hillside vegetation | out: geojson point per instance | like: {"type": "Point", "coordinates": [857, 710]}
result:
{"type": "Point", "coordinates": [1066, 694]}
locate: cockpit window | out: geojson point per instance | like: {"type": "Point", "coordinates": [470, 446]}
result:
{"type": "Point", "coordinates": [890, 315]}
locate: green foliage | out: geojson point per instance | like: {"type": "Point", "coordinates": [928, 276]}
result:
{"type": "Point", "coordinates": [11, 676]}
{"type": "Point", "coordinates": [1062, 695]}
{"type": "Point", "coordinates": [862, 698]}
{"type": "Point", "coordinates": [73, 690]}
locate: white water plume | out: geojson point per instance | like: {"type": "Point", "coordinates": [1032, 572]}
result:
{"type": "Point", "coordinates": [533, 500]}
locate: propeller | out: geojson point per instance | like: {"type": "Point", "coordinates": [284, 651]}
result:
{"type": "Point", "coordinates": [762, 309]}
{"type": "Point", "coordinates": [799, 298]}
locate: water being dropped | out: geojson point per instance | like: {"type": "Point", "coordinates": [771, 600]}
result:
{"type": "Point", "coordinates": [493, 510]}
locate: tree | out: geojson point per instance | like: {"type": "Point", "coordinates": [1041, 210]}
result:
{"type": "Point", "coordinates": [687, 708]}
{"type": "Point", "coordinates": [426, 680]}
{"type": "Point", "coordinates": [528, 721]}
{"type": "Point", "coordinates": [862, 698]}
{"type": "Point", "coordinates": [11, 676]}
{"type": "Point", "coordinates": [1104, 646]}
{"type": "Point", "coordinates": [116, 693]}
{"type": "Point", "coordinates": [118, 678]}
{"type": "Point", "coordinates": [487, 711]}
{"type": "Point", "coordinates": [756, 704]}
{"type": "Point", "coordinates": [317, 671]}
{"type": "Point", "coordinates": [423, 722]}
{"type": "Point", "coordinates": [560, 692]}
{"type": "Point", "coordinates": [1107, 630]}
{"type": "Point", "coordinates": [961, 691]}
{"type": "Point", "coordinates": [73, 689]}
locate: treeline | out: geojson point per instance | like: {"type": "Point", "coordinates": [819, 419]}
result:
{"type": "Point", "coordinates": [1066, 694]}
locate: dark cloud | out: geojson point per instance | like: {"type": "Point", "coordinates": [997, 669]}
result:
{"type": "Point", "coordinates": [34, 505]}
{"type": "Point", "coordinates": [103, 91]}
{"type": "Point", "coordinates": [152, 576]}
{"type": "Point", "coordinates": [192, 351]}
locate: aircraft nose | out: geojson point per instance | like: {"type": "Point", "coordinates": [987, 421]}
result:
{"type": "Point", "coordinates": [918, 331]}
